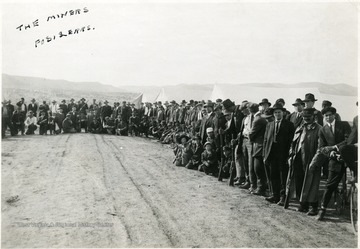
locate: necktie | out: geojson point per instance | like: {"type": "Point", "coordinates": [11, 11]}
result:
{"type": "Point", "coordinates": [276, 130]}
{"type": "Point", "coordinates": [277, 127]}
{"type": "Point", "coordinates": [331, 129]}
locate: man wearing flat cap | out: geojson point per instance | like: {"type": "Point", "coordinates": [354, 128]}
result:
{"type": "Point", "coordinates": [327, 103]}
{"type": "Point", "coordinates": [296, 117]}
{"type": "Point", "coordinates": [303, 149]}
{"type": "Point", "coordinates": [332, 136]}
{"type": "Point", "coordinates": [277, 140]}
{"type": "Point", "coordinates": [309, 103]}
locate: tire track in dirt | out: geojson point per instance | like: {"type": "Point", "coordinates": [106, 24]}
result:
{"type": "Point", "coordinates": [165, 192]}
{"type": "Point", "coordinates": [155, 211]}
{"type": "Point", "coordinates": [106, 181]}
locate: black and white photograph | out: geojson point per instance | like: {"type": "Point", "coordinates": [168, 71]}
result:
{"type": "Point", "coordinates": [179, 124]}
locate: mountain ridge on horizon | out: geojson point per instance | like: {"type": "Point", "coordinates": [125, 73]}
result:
{"type": "Point", "coordinates": [26, 82]}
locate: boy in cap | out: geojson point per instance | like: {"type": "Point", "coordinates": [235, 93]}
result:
{"type": "Point", "coordinates": [227, 162]}
{"type": "Point", "coordinates": [197, 149]}
{"type": "Point", "coordinates": [208, 160]}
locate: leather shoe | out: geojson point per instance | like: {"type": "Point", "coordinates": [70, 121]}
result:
{"type": "Point", "coordinates": [245, 186]}
{"type": "Point", "coordinates": [281, 202]}
{"type": "Point", "coordinates": [321, 214]}
{"type": "Point", "coordinates": [303, 208]}
{"type": "Point", "coordinates": [251, 190]}
{"type": "Point", "coordinates": [272, 199]}
{"type": "Point", "coordinates": [259, 192]}
{"type": "Point", "coordinates": [313, 212]}
{"type": "Point", "coordinates": [237, 183]}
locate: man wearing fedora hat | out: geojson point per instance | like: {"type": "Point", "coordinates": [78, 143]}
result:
{"type": "Point", "coordinates": [71, 104]}
{"type": "Point", "coordinates": [64, 107]}
{"type": "Point", "coordinates": [264, 105]}
{"type": "Point", "coordinates": [309, 103]}
{"type": "Point", "coordinates": [303, 149]}
{"type": "Point", "coordinates": [277, 140]}
{"type": "Point", "coordinates": [296, 116]}
{"type": "Point", "coordinates": [53, 107]}
{"type": "Point", "coordinates": [33, 106]}
{"type": "Point", "coordinates": [208, 121]}
{"type": "Point", "coordinates": [105, 111]}
{"type": "Point", "coordinates": [332, 136]}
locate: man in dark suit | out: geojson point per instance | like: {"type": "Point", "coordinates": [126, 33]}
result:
{"type": "Point", "coordinates": [105, 111]}
{"type": "Point", "coordinates": [264, 104]}
{"type": "Point", "coordinates": [33, 107]}
{"type": "Point", "coordinates": [296, 117]}
{"type": "Point", "coordinates": [309, 103]}
{"type": "Point", "coordinates": [256, 137]}
{"type": "Point", "coordinates": [349, 152]}
{"type": "Point", "coordinates": [125, 112]}
{"type": "Point", "coordinates": [277, 140]}
{"type": "Point", "coordinates": [208, 122]}
{"type": "Point", "coordinates": [6, 120]}
{"type": "Point", "coordinates": [239, 114]}
{"type": "Point", "coordinates": [71, 105]}
{"type": "Point", "coordinates": [331, 137]}
{"type": "Point", "coordinates": [64, 107]}
{"type": "Point", "coordinates": [327, 103]}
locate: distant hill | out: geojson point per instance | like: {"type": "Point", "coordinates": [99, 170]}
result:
{"type": "Point", "coordinates": [16, 87]}
{"type": "Point", "coordinates": [22, 82]}
{"type": "Point", "coordinates": [332, 89]}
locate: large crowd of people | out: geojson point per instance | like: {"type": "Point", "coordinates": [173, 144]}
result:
{"type": "Point", "coordinates": [260, 147]}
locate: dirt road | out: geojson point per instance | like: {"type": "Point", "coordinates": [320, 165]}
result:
{"type": "Point", "coordinates": [85, 190]}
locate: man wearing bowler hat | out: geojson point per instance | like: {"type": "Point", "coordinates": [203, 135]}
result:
{"type": "Point", "coordinates": [332, 136]}
{"type": "Point", "coordinates": [296, 117]}
{"type": "Point", "coordinates": [309, 103]}
{"type": "Point", "coordinates": [277, 140]}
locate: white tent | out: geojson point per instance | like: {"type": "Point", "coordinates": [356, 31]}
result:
{"type": "Point", "coordinates": [217, 93]}
{"type": "Point", "coordinates": [161, 96]}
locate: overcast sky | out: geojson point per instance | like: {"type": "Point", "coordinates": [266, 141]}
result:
{"type": "Point", "coordinates": [172, 43]}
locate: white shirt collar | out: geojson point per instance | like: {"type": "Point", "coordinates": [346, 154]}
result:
{"type": "Point", "coordinates": [332, 123]}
